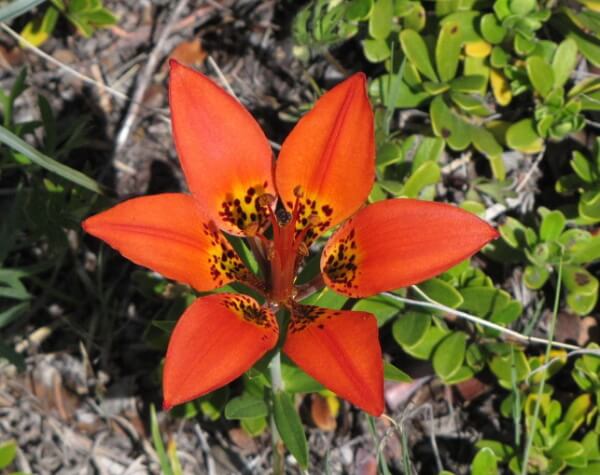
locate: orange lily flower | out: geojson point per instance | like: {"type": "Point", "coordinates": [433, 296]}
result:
{"type": "Point", "coordinates": [322, 177]}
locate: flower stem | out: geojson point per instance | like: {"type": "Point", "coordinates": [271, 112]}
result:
{"type": "Point", "coordinates": [278, 459]}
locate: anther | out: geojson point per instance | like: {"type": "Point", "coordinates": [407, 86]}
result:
{"type": "Point", "coordinates": [298, 192]}
{"type": "Point", "coordinates": [303, 249]}
{"type": "Point", "coordinates": [283, 217]}
{"type": "Point", "coordinates": [266, 199]}
{"type": "Point", "coordinates": [252, 229]}
{"type": "Point", "coordinates": [270, 251]}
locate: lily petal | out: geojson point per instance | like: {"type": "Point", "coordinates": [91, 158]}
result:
{"type": "Point", "coordinates": [340, 349]}
{"type": "Point", "coordinates": [169, 234]}
{"type": "Point", "coordinates": [225, 155]}
{"type": "Point", "coordinates": [400, 242]}
{"type": "Point", "coordinates": [215, 341]}
{"type": "Point", "coordinates": [330, 155]}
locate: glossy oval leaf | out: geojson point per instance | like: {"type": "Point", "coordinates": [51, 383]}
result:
{"type": "Point", "coordinates": [523, 137]}
{"type": "Point", "coordinates": [484, 463]}
{"type": "Point", "coordinates": [491, 29]}
{"type": "Point", "coordinates": [564, 61]}
{"type": "Point", "coordinates": [447, 51]}
{"type": "Point", "coordinates": [410, 329]}
{"type": "Point", "coordinates": [416, 50]}
{"type": "Point", "coordinates": [552, 226]}
{"type": "Point", "coordinates": [246, 406]}
{"type": "Point", "coordinates": [376, 50]}
{"type": "Point", "coordinates": [449, 355]}
{"type": "Point", "coordinates": [442, 292]}
{"type": "Point", "coordinates": [380, 21]}
{"type": "Point", "coordinates": [540, 74]}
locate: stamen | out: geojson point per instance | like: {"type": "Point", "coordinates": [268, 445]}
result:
{"type": "Point", "coordinates": [283, 217]}
{"type": "Point", "coordinates": [266, 201]}
{"type": "Point", "coordinates": [303, 249]}
{"type": "Point", "coordinates": [252, 229]}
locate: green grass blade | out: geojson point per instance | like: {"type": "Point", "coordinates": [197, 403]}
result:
{"type": "Point", "coordinates": [17, 7]}
{"type": "Point", "coordinates": [68, 173]}
{"type": "Point", "coordinates": [159, 446]}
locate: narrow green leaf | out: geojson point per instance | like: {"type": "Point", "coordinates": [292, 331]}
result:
{"type": "Point", "coordinates": [68, 173]}
{"type": "Point", "coordinates": [290, 427]}
{"type": "Point", "coordinates": [415, 48]}
{"type": "Point", "coordinates": [158, 443]}
{"type": "Point", "coordinates": [13, 313]}
{"type": "Point", "coordinates": [391, 373]}
{"type": "Point", "coordinates": [16, 8]}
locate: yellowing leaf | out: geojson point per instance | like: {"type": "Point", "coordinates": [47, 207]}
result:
{"type": "Point", "coordinates": [478, 49]}
{"type": "Point", "coordinates": [500, 87]}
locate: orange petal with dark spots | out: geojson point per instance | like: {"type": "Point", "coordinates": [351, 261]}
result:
{"type": "Point", "coordinates": [215, 341]}
{"type": "Point", "coordinates": [225, 155]}
{"type": "Point", "coordinates": [340, 349]}
{"type": "Point", "coordinates": [169, 234]}
{"type": "Point", "coordinates": [330, 155]}
{"type": "Point", "coordinates": [397, 243]}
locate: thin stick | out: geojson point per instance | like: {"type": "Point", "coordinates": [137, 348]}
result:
{"type": "Point", "coordinates": [60, 65]}
{"type": "Point", "coordinates": [276, 386]}
{"type": "Point", "coordinates": [73, 72]}
{"type": "Point", "coordinates": [146, 77]}
{"type": "Point", "coordinates": [536, 410]}
{"type": "Point", "coordinates": [430, 303]}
